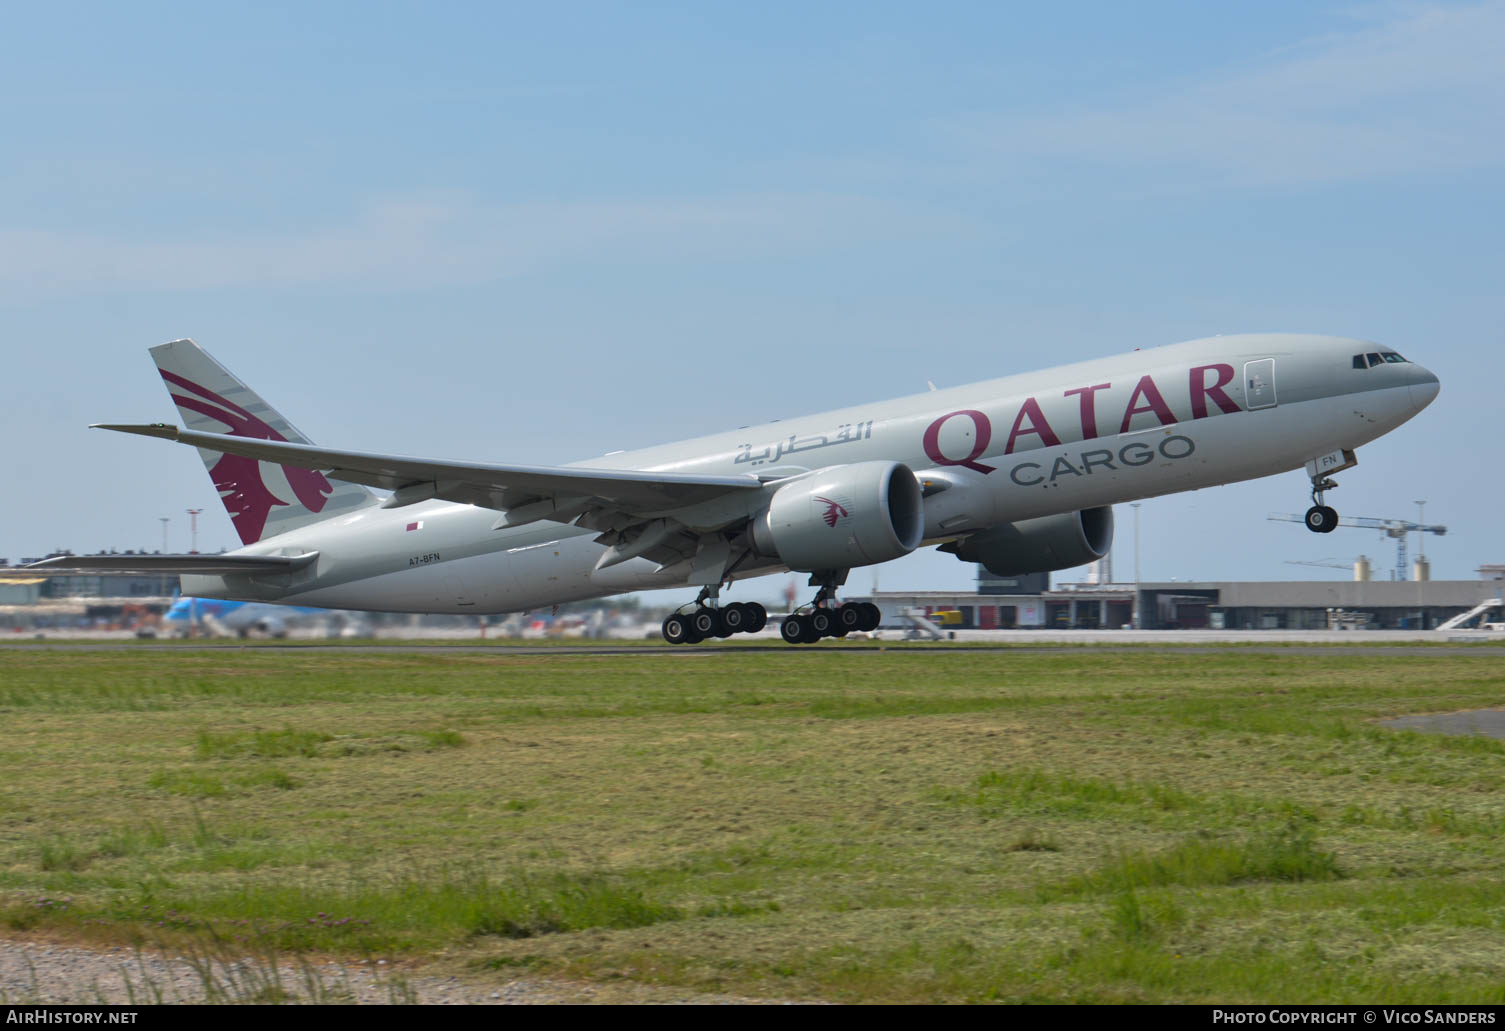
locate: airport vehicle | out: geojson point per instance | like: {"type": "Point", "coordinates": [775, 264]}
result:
{"type": "Point", "coordinates": [1017, 473]}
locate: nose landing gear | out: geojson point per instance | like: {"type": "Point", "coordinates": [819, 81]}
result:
{"type": "Point", "coordinates": [1321, 518]}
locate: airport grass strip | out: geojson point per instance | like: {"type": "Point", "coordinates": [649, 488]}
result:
{"type": "Point", "coordinates": [899, 825]}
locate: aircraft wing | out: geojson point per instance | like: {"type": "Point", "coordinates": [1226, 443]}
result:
{"type": "Point", "coordinates": [526, 492]}
{"type": "Point", "coordinates": [170, 565]}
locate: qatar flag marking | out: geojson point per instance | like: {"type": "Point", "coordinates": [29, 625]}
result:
{"type": "Point", "coordinates": [415, 526]}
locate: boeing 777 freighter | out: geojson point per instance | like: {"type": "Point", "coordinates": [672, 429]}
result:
{"type": "Point", "coordinates": [1019, 474]}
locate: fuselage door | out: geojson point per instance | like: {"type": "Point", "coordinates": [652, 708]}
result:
{"type": "Point", "coordinates": [1259, 384]}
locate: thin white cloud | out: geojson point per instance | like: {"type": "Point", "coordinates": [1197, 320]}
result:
{"type": "Point", "coordinates": [1419, 92]}
{"type": "Point", "coordinates": [418, 243]}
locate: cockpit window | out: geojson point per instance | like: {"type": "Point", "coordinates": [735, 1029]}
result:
{"type": "Point", "coordinates": [1373, 358]}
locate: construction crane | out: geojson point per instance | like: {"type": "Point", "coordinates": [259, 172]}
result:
{"type": "Point", "coordinates": [1324, 563]}
{"type": "Point", "coordinates": [1396, 529]}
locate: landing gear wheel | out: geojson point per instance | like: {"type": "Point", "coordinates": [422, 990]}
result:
{"type": "Point", "coordinates": [705, 622]}
{"type": "Point", "coordinates": [793, 629]}
{"type": "Point", "coordinates": [757, 618]}
{"type": "Point", "coordinates": [821, 624]}
{"type": "Point", "coordinates": [734, 619]}
{"type": "Point", "coordinates": [676, 629]}
{"type": "Point", "coordinates": [1321, 519]}
{"type": "Point", "coordinates": [871, 617]}
{"type": "Point", "coordinates": [849, 618]}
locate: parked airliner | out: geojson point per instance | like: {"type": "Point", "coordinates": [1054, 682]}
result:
{"type": "Point", "coordinates": [188, 615]}
{"type": "Point", "coordinates": [1018, 474]}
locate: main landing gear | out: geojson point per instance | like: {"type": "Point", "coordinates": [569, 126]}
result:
{"type": "Point", "coordinates": [710, 620]}
{"type": "Point", "coordinates": [825, 617]}
{"type": "Point", "coordinates": [1321, 518]}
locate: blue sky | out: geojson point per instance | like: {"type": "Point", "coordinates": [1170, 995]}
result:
{"type": "Point", "coordinates": [535, 233]}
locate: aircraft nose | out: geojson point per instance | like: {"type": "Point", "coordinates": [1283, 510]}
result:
{"type": "Point", "coordinates": [1424, 390]}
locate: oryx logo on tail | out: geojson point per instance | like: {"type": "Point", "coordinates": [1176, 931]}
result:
{"type": "Point", "coordinates": [238, 479]}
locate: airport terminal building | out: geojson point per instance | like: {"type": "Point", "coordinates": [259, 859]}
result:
{"type": "Point", "coordinates": [30, 599]}
{"type": "Point", "coordinates": [1029, 602]}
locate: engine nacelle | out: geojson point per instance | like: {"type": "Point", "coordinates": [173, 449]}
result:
{"type": "Point", "coordinates": [845, 516]}
{"type": "Point", "coordinates": [1039, 545]}
{"type": "Point", "coordinates": [272, 627]}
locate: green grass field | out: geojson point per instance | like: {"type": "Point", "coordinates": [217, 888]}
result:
{"type": "Point", "coordinates": [824, 823]}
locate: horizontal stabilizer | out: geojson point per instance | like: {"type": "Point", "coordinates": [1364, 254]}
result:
{"type": "Point", "coordinates": [170, 565]}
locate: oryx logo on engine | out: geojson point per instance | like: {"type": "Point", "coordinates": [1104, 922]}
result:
{"type": "Point", "coordinates": [834, 509]}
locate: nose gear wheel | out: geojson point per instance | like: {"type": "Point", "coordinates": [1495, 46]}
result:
{"type": "Point", "coordinates": [1321, 519]}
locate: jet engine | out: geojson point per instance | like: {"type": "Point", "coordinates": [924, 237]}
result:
{"type": "Point", "coordinates": [844, 516]}
{"type": "Point", "coordinates": [1039, 545]}
{"type": "Point", "coordinates": [270, 627]}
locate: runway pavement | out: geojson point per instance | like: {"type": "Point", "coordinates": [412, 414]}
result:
{"type": "Point", "coordinates": [1488, 722]}
{"type": "Point", "coordinates": [1390, 641]}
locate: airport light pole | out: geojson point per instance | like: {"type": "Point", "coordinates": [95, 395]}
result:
{"type": "Point", "coordinates": [193, 524]}
{"type": "Point", "coordinates": [164, 520]}
{"type": "Point", "coordinates": [1421, 563]}
{"type": "Point", "coordinates": [1135, 621]}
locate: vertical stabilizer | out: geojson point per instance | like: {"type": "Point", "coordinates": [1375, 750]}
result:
{"type": "Point", "coordinates": [263, 498]}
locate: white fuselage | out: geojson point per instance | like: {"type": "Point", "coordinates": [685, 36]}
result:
{"type": "Point", "coordinates": [1096, 433]}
